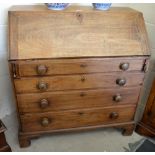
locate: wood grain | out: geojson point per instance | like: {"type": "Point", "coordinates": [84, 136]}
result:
{"type": "Point", "coordinates": [48, 34]}
{"type": "Point", "coordinates": [76, 118]}
{"type": "Point", "coordinates": [65, 100]}
{"type": "Point", "coordinates": [76, 66]}
{"type": "Point", "coordinates": [74, 82]}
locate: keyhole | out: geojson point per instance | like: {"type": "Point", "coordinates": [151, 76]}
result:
{"type": "Point", "coordinates": [79, 17]}
{"type": "Point", "coordinates": [80, 113]}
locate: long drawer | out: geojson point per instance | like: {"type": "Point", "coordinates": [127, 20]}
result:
{"type": "Point", "coordinates": [62, 100]}
{"type": "Point", "coordinates": [76, 118]}
{"type": "Point", "coordinates": [76, 66]}
{"type": "Point", "coordinates": [73, 82]}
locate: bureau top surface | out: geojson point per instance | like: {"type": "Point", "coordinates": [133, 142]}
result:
{"type": "Point", "coordinates": [78, 31]}
{"type": "Point", "coordinates": [71, 8]}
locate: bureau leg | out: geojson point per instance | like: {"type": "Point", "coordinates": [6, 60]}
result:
{"type": "Point", "coordinates": [24, 141]}
{"type": "Point", "coordinates": [128, 129]}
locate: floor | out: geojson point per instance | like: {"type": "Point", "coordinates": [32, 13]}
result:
{"type": "Point", "coordinates": [103, 140]}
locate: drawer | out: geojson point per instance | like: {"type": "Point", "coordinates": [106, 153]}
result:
{"type": "Point", "coordinates": [74, 82]}
{"type": "Point", "coordinates": [73, 66]}
{"type": "Point", "coordinates": [63, 100]}
{"type": "Point", "coordinates": [76, 118]}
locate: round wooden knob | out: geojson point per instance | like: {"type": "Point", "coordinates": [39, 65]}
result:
{"type": "Point", "coordinates": [114, 115]}
{"type": "Point", "coordinates": [45, 122]}
{"type": "Point", "coordinates": [124, 66]}
{"type": "Point", "coordinates": [44, 103]}
{"type": "Point", "coordinates": [42, 86]}
{"type": "Point", "coordinates": [117, 98]}
{"type": "Point", "coordinates": [41, 69]}
{"type": "Point", "coordinates": [121, 82]}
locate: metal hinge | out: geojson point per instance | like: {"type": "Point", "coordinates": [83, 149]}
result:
{"type": "Point", "coordinates": [145, 65]}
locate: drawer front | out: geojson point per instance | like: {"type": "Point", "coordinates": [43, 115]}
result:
{"type": "Point", "coordinates": [72, 82]}
{"type": "Point", "coordinates": [63, 100]}
{"type": "Point", "coordinates": [76, 118]}
{"type": "Point", "coordinates": [73, 66]}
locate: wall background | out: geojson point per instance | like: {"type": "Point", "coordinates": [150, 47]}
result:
{"type": "Point", "coordinates": [7, 105]}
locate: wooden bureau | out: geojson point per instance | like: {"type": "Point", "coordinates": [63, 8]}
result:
{"type": "Point", "coordinates": [76, 69]}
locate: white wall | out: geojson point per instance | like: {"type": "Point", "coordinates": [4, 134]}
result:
{"type": "Point", "coordinates": [6, 96]}
{"type": "Point", "coordinates": [7, 104]}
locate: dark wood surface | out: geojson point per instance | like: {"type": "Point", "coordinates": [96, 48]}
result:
{"type": "Point", "coordinates": [147, 125]}
{"type": "Point", "coordinates": [4, 147]}
{"type": "Point", "coordinates": [72, 70]}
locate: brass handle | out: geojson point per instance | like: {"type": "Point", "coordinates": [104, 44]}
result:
{"type": "Point", "coordinates": [45, 121]}
{"type": "Point", "coordinates": [83, 78]}
{"type": "Point", "coordinates": [124, 66]}
{"type": "Point", "coordinates": [42, 86]}
{"type": "Point", "coordinates": [44, 103]}
{"type": "Point", "coordinates": [41, 69]}
{"type": "Point", "coordinates": [117, 98]}
{"type": "Point", "coordinates": [114, 115]}
{"type": "Point", "coordinates": [121, 82]}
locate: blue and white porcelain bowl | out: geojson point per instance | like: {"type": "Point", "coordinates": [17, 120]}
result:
{"type": "Point", "coordinates": [102, 6]}
{"type": "Point", "coordinates": [57, 6]}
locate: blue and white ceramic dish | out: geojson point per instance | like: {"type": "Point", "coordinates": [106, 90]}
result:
{"type": "Point", "coordinates": [102, 6]}
{"type": "Point", "coordinates": [57, 6]}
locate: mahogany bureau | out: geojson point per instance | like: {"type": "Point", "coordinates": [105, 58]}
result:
{"type": "Point", "coordinates": [76, 69]}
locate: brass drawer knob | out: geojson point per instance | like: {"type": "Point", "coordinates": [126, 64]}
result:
{"type": "Point", "coordinates": [117, 98]}
{"type": "Point", "coordinates": [83, 79]}
{"type": "Point", "coordinates": [124, 66]}
{"type": "Point", "coordinates": [41, 69]}
{"type": "Point", "coordinates": [44, 103]}
{"type": "Point", "coordinates": [45, 121]}
{"type": "Point", "coordinates": [121, 81]}
{"type": "Point", "coordinates": [42, 86]}
{"type": "Point", "coordinates": [114, 115]}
